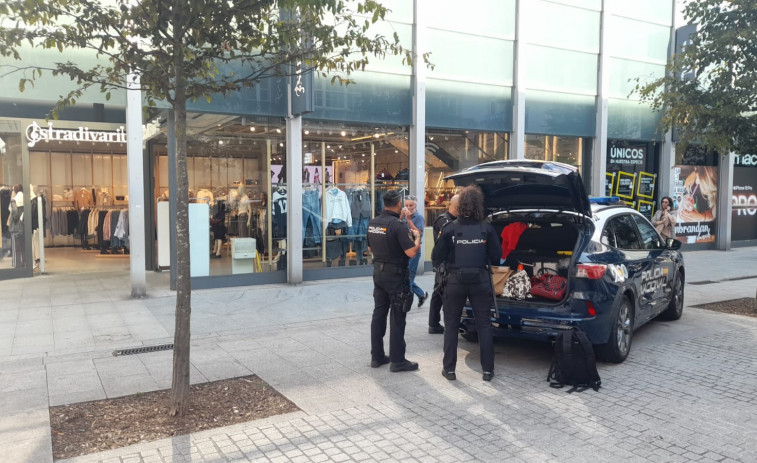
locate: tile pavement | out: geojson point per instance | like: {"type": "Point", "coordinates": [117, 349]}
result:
{"type": "Point", "coordinates": [686, 393]}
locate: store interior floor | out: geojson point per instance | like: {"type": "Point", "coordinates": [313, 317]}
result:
{"type": "Point", "coordinates": [75, 260]}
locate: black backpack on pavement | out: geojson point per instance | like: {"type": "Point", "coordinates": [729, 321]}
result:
{"type": "Point", "coordinates": [574, 363]}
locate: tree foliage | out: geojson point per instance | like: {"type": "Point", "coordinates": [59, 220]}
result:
{"type": "Point", "coordinates": [184, 50]}
{"type": "Point", "coordinates": [710, 91]}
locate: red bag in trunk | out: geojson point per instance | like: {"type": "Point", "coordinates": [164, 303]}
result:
{"type": "Point", "coordinates": [549, 286]}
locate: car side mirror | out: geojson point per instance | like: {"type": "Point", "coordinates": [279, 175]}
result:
{"type": "Point", "coordinates": [672, 243]}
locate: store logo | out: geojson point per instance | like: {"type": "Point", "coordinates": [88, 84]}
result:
{"type": "Point", "coordinates": [620, 155]}
{"type": "Point", "coordinates": [745, 160]}
{"type": "Point", "coordinates": [35, 134]}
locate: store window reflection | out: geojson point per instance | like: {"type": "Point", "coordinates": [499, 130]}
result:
{"type": "Point", "coordinates": [346, 170]}
{"type": "Point", "coordinates": [448, 152]}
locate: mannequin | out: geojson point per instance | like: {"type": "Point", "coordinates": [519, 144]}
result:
{"type": "Point", "coordinates": [219, 229]}
{"type": "Point", "coordinates": [245, 212]}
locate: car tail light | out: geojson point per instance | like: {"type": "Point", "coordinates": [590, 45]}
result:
{"type": "Point", "coordinates": [590, 308]}
{"type": "Point", "coordinates": [591, 271]}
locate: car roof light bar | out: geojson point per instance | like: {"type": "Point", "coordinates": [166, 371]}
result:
{"type": "Point", "coordinates": [604, 200]}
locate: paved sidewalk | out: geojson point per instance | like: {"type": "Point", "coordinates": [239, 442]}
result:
{"type": "Point", "coordinates": [688, 391]}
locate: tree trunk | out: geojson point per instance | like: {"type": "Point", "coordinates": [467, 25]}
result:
{"type": "Point", "coordinates": [180, 383]}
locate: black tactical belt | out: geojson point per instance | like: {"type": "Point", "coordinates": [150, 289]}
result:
{"type": "Point", "coordinates": [387, 267]}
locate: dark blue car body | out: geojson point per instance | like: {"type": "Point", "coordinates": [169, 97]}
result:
{"type": "Point", "coordinates": [620, 272]}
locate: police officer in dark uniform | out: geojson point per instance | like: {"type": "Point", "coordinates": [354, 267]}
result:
{"type": "Point", "coordinates": [392, 244]}
{"type": "Point", "coordinates": [435, 307]}
{"type": "Point", "coordinates": [468, 246]}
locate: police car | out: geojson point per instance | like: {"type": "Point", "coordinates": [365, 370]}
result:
{"type": "Point", "coordinates": [618, 271]}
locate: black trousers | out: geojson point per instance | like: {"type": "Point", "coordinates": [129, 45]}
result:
{"type": "Point", "coordinates": [435, 306]}
{"type": "Point", "coordinates": [480, 296]}
{"type": "Point", "coordinates": [386, 287]}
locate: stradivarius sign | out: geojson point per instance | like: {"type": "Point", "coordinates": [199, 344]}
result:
{"type": "Point", "coordinates": [36, 134]}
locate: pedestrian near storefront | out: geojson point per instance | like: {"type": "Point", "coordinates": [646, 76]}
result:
{"type": "Point", "coordinates": [416, 223]}
{"type": "Point", "coordinates": [468, 247]}
{"type": "Point", "coordinates": [664, 220]}
{"type": "Point", "coordinates": [435, 306]}
{"type": "Point", "coordinates": [392, 244]}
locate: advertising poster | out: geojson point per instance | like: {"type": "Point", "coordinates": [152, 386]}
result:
{"type": "Point", "coordinates": [646, 208]}
{"type": "Point", "coordinates": [633, 166]}
{"type": "Point", "coordinates": [744, 201]}
{"type": "Point", "coordinates": [609, 183]}
{"type": "Point", "coordinates": [625, 185]}
{"type": "Point", "coordinates": [696, 198]}
{"type": "Point", "coordinates": [646, 185]}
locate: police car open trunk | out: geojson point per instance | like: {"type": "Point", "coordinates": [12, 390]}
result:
{"type": "Point", "coordinates": [541, 212]}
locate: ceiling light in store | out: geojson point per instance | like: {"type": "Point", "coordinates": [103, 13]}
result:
{"type": "Point", "coordinates": [431, 138]}
{"type": "Point", "coordinates": [307, 132]}
{"type": "Point", "coordinates": [396, 151]}
{"type": "Point", "coordinates": [371, 136]}
{"type": "Point", "coordinates": [252, 128]}
{"type": "Point", "coordinates": [363, 154]}
{"type": "Point", "coordinates": [340, 146]}
{"type": "Point", "coordinates": [281, 144]}
{"type": "Point", "coordinates": [328, 146]}
{"type": "Point", "coordinates": [344, 133]}
{"type": "Point", "coordinates": [220, 142]}
{"type": "Point", "coordinates": [278, 130]}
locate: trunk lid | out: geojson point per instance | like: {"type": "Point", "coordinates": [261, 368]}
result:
{"type": "Point", "coordinates": [520, 185]}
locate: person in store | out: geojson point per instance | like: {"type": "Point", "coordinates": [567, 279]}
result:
{"type": "Point", "coordinates": [664, 220]}
{"type": "Point", "coordinates": [392, 244]}
{"type": "Point", "coordinates": [416, 222]}
{"type": "Point", "coordinates": [468, 247]}
{"type": "Point", "coordinates": [435, 308]}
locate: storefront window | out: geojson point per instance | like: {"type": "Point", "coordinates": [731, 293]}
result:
{"type": "Point", "coordinates": [575, 151]}
{"type": "Point", "coordinates": [13, 205]}
{"type": "Point", "coordinates": [744, 198]}
{"type": "Point", "coordinates": [632, 169]}
{"type": "Point", "coordinates": [238, 198]}
{"type": "Point", "coordinates": [346, 170]}
{"type": "Point", "coordinates": [450, 151]}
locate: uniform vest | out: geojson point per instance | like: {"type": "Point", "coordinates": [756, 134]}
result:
{"type": "Point", "coordinates": [470, 245]}
{"type": "Point", "coordinates": [379, 235]}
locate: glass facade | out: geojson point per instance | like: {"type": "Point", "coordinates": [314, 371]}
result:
{"type": "Point", "coordinates": [638, 38]}
{"type": "Point", "coordinates": [356, 142]}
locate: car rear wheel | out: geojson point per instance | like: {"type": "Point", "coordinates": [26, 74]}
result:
{"type": "Point", "coordinates": [675, 308]}
{"type": "Point", "coordinates": [617, 348]}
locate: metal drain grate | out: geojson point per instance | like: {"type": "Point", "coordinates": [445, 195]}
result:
{"type": "Point", "coordinates": [142, 350]}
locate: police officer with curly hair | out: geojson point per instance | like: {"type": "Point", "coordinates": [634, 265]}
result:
{"type": "Point", "coordinates": [468, 246]}
{"type": "Point", "coordinates": [392, 244]}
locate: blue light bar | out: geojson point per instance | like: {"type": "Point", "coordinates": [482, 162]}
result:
{"type": "Point", "coordinates": [604, 200]}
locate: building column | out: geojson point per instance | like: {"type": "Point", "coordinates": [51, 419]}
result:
{"type": "Point", "coordinates": [135, 168]}
{"type": "Point", "coordinates": [417, 135]}
{"type": "Point", "coordinates": [294, 198]}
{"type": "Point", "coordinates": [665, 178]}
{"type": "Point", "coordinates": [599, 152]}
{"type": "Point", "coordinates": [725, 206]}
{"type": "Point", "coordinates": [518, 137]}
